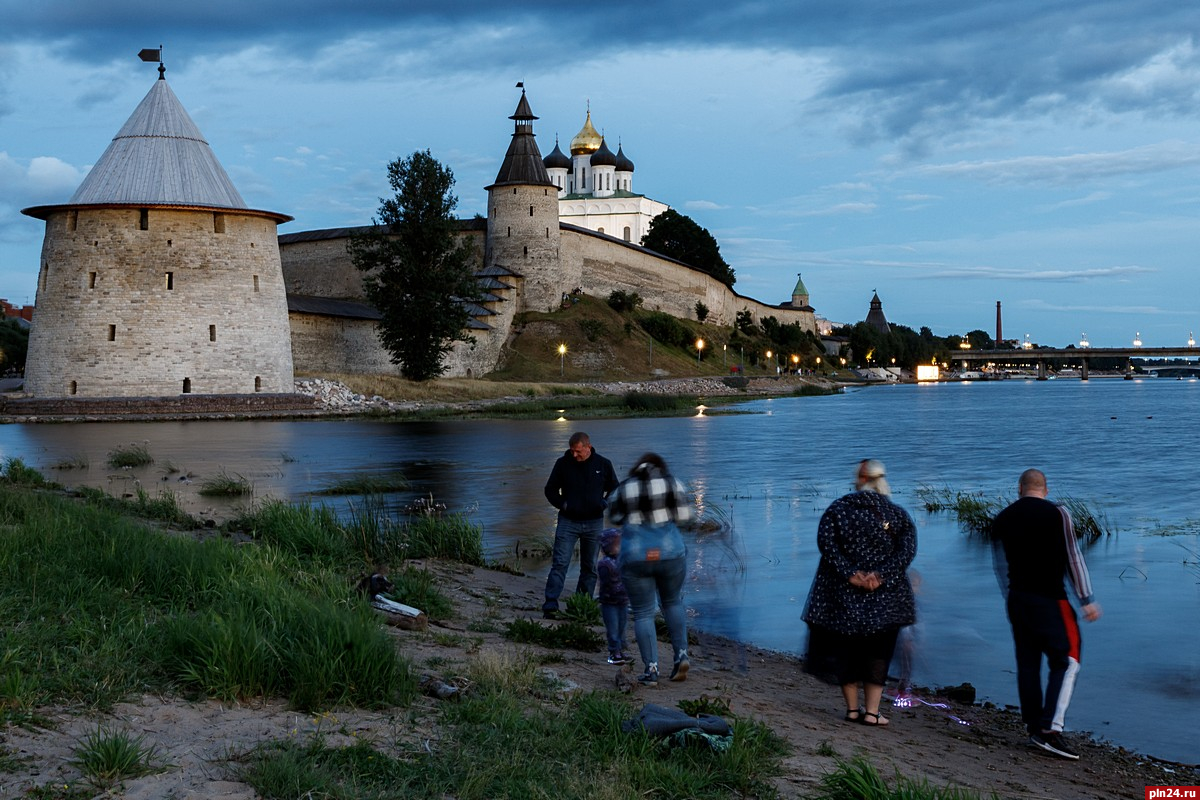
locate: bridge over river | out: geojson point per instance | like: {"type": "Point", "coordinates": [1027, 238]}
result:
{"type": "Point", "coordinates": [1084, 355]}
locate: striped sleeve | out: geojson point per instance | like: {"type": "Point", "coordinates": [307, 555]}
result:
{"type": "Point", "coordinates": [1076, 568]}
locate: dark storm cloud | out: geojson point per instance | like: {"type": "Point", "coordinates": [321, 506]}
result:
{"type": "Point", "coordinates": [905, 72]}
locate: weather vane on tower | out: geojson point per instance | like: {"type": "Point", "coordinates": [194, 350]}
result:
{"type": "Point", "coordinates": [154, 54]}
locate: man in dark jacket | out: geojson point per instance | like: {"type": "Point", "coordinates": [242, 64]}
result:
{"type": "Point", "coordinates": [1036, 550]}
{"type": "Point", "coordinates": [578, 485]}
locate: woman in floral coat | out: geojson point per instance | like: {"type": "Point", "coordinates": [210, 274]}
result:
{"type": "Point", "coordinates": [861, 596]}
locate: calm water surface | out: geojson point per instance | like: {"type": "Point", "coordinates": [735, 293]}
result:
{"type": "Point", "coordinates": [1124, 447]}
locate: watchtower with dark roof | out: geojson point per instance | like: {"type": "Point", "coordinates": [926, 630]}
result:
{"type": "Point", "coordinates": [522, 221]}
{"type": "Point", "coordinates": [156, 278]}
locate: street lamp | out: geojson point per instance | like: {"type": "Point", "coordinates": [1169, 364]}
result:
{"type": "Point", "coordinates": [1083, 340]}
{"type": "Point", "coordinates": [724, 356]}
{"type": "Point", "coordinates": [1191, 340]}
{"type": "Point", "coordinates": [771, 357]}
{"type": "Point", "coordinates": [818, 363]}
{"type": "Point", "coordinates": [699, 348]}
{"type": "Point", "coordinates": [1137, 339]}
{"type": "Point", "coordinates": [562, 356]}
{"type": "Point", "coordinates": [795, 363]}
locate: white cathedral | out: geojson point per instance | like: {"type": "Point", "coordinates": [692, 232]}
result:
{"type": "Point", "coordinates": [595, 187]}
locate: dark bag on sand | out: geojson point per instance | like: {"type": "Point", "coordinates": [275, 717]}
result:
{"type": "Point", "coordinates": [662, 721]}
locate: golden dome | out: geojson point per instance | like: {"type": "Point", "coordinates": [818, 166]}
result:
{"type": "Point", "coordinates": [587, 140]}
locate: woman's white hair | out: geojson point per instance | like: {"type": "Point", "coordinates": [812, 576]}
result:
{"type": "Point", "coordinates": [870, 477]}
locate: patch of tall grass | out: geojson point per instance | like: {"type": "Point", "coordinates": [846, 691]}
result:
{"type": "Point", "coordinates": [107, 756]}
{"type": "Point", "coordinates": [646, 403]}
{"type": "Point", "coordinates": [17, 472]}
{"type": "Point", "coordinates": [134, 609]}
{"type": "Point", "coordinates": [223, 484]}
{"type": "Point", "coordinates": [132, 455]}
{"type": "Point", "coordinates": [858, 779]}
{"type": "Point", "coordinates": [975, 513]}
{"type": "Point", "coordinates": [501, 736]}
{"type": "Point", "coordinates": [369, 536]}
{"type": "Point", "coordinates": [418, 588]}
{"type": "Point", "coordinates": [367, 484]}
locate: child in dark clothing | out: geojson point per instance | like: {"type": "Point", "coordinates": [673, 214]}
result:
{"type": "Point", "coordinates": [614, 602]}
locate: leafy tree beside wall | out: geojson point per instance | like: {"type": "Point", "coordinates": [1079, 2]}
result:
{"type": "Point", "coordinates": [678, 236]}
{"type": "Point", "coordinates": [14, 343]}
{"type": "Point", "coordinates": [418, 272]}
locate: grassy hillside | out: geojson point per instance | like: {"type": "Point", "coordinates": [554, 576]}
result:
{"type": "Point", "coordinates": [604, 345]}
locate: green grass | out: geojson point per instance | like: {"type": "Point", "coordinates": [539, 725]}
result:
{"type": "Point", "coordinates": [571, 635]}
{"type": "Point", "coordinates": [71, 462]}
{"type": "Point", "coordinates": [15, 471]}
{"type": "Point", "coordinates": [418, 588]}
{"type": "Point", "coordinates": [225, 485]}
{"type": "Point", "coordinates": [137, 610]}
{"type": "Point", "coordinates": [500, 738]}
{"type": "Point", "coordinates": [133, 455]}
{"type": "Point", "coordinates": [367, 484]}
{"type": "Point", "coordinates": [368, 538]}
{"type": "Point", "coordinates": [857, 779]}
{"type": "Point", "coordinates": [582, 609]}
{"type": "Point", "coordinates": [107, 756]}
{"type": "Point", "coordinates": [975, 513]}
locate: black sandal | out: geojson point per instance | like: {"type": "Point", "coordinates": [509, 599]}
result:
{"type": "Point", "coordinates": [880, 721]}
{"type": "Point", "coordinates": [857, 712]}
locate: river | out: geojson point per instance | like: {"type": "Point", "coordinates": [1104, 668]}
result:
{"type": "Point", "coordinates": [1123, 447]}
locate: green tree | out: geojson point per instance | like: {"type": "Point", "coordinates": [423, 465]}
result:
{"type": "Point", "coordinates": [678, 236]}
{"type": "Point", "coordinates": [14, 343]}
{"type": "Point", "coordinates": [419, 273]}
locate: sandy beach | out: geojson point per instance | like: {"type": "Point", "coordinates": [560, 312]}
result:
{"type": "Point", "coordinates": [946, 743]}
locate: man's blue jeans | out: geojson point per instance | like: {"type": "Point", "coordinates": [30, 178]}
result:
{"type": "Point", "coordinates": [650, 584]}
{"type": "Point", "coordinates": [569, 531]}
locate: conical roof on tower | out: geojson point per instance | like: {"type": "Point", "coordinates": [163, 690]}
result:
{"type": "Point", "coordinates": [159, 158]}
{"type": "Point", "coordinates": [875, 316]}
{"type": "Point", "coordinates": [800, 289]}
{"type": "Point", "coordinates": [523, 163]}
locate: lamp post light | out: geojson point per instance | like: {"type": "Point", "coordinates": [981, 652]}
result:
{"type": "Point", "coordinates": [699, 349]}
{"type": "Point", "coordinates": [562, 360]}
{"type": "Point", "coordinates": [770, 357]}
{"type": "Point", "coordinates": [795, 363]}
{"type": "Point", "coordinates": [1137, 339]}
{"type": "Point", "coordinates": [818, 363]}
{"type": "Point", "coordinates": [724, 357]}
{"type": "Point", "coordinates": [1191, 340]}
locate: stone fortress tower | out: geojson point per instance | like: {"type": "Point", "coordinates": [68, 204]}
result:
{"type": "Point", "coordinates": [156, 279]}
{"type": "Point", "coordinates": [522, 219]}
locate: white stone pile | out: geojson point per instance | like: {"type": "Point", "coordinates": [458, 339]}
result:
{"type": "Point", "coordinates": [336, 396]}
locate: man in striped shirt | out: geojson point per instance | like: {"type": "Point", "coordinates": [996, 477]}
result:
{"type": "Point", "coordinates": [1037, 543]}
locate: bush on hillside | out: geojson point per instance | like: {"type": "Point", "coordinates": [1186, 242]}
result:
{"type": "Point", "coordinates": [666, 329]}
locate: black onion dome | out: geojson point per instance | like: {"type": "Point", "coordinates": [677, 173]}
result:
{"type": "Point", "coordinates": [604, 157]}
{"type": "Point", "coordinates": [557, 158]}
{"type": "Point", "coordinates": [623, 162]}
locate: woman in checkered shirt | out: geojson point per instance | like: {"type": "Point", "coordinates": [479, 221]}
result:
{"type": "Point", "coordinates": [650, 505]}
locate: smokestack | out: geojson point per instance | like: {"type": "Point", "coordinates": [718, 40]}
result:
{"type": "Point", "coordinates": [999, 329]}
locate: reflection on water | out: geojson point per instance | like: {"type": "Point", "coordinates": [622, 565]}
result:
{"type": "Point", "coordinates": [769, 475]}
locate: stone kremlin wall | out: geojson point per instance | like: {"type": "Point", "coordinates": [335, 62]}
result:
{"type": "Point", "coordinates": [159, 301]}
{"type": "Point", "coordinates": [316, 263]}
